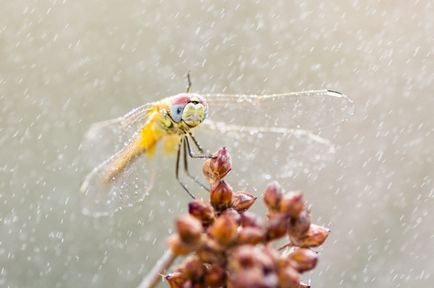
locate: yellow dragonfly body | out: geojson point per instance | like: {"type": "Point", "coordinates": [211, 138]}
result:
{"type": "Point", "coordinates": [132, 139]}
{"type": "Point", "coordinates": [169, 120]}
{"type": "Point", "coordinates": [171, 117]}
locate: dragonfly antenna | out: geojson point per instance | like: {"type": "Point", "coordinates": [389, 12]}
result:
{"type": "Point", "coordinates": [188, 82]}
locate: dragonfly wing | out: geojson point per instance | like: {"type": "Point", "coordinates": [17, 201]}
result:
{"type": "Point", "coordinates": [269, 152]}
{"type": "Point", "coordinates": [122, 175]}
{"type": "Point", "coordinates": [105, 138]}
{"type": "Point", "coordinates": [122, 180]}
{"type": "Point", "coordinates": [309, 110]}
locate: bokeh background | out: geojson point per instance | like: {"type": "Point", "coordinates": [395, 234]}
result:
{"type": "Point", "coordinates": [67, 64]}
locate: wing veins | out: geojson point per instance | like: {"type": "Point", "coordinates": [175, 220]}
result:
{"type": "Point", "coordinates": [225, 128]}
{"type": "Point", "coordinates": [256, 97]}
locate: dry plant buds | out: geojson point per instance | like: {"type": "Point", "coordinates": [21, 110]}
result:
{"type": "Point", "coordinates": [227, 246]}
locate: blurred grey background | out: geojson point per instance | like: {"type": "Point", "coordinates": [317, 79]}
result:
{"type": "Point", "coordinates": [67, 64]}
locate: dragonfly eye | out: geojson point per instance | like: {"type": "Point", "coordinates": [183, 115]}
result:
{"type": "Point", "coordinates": [176, 112]}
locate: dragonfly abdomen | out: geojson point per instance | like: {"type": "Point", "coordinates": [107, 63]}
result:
{"type": "Point", "coordinates": [146, 142]}
{"type": "Point", "coordinates": [122, 160]}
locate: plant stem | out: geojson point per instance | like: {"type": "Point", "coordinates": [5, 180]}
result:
{"type": "Point", "coordinates": [153, 278]}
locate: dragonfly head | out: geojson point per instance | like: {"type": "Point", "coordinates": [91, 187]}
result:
{"type": "Point", "coordinates": [192, 109]}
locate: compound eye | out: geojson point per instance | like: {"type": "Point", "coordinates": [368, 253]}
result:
{"type": "Point", "coordinates": [176, 112]}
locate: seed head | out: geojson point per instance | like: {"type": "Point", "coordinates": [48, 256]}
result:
{"type": "Point", "coordinates": [231, 247]}
{"type": "Point", "coordinates": [289, 278]}
{"type": "Point", "coordinates": [224, 230]}
{"type": "Point", "coordinates": [241, 201]}
{"type": "Point", "coordinates": [193, 268]}
{"type": "Point", "coordinates": [221, 195]}
{"type": "Point", "coordinates": [189, 229]}
{"type": "Point", "coordinates": [252, 277]}
{"type": "Point", "coordinates": [218, 166]}
{"type": "Point", "coordinates": [251, 235]}
{"type": "Point", "coordinates": [272, 196]}
{"type": "Point", "coordinates": [303, 259]}
{"type": "Point", "coordinates": [202, 211]}
{"type": "Point", "coordinates": [179, 247]}
{"type": "Point", "coordinates": [215, 276]}
{"type": "Point", "coordinates": [250, 257]}
{"type": "Point", "coordinates": [299, 226]}
{"type": "Point", "coordinates": [176, 279]}
{"type": "Point", "coordinates": [313, 238]}
{"type": "Point", "coordinates": [292, 204]}
{"type": "Point", "coordinates": [277, 226]}
{"type": "Point", "coordinates": [231, 212]}
{"type": "Point", "coordinates": [243, 257]}
{"type": "Point", "coordinates": [211, 252]}
{"type": "Point", "coordinates": [249, 219]}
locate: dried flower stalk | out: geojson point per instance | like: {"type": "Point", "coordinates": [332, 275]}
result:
{"type": "Point", "coordinates": [227, 246]}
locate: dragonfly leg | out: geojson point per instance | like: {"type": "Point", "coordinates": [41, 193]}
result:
{"type": "Point", "coordinates": [196, 143]}
{"type": "Point", "coordinates": [202, 153]}
{"type": "Point", "coordinates": [178, 156]}
{"type": "Point", "coordinates": [188, 172]}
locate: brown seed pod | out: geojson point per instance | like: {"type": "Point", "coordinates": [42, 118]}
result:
{"type": "Point", "coordinates": [250, 256]}
{"type": "Point", "coordinates": [211, 252]}
{"type": "Point", "coordinates": [242, 258]}
{"type": "Point", "coordinates": [179, 247]}
{"type": "Point", "coordinates": [249, 219]}
{"type": "Point", "coordinates": [251, 235]}
{"type": "Point", "coordinates": [251, 277]}
{"type": "Point", "coordinates": [176, 279]}
{"type": "Point", "coordinates": [303, 259]}
{"type": "Point", "coordinates": [277, 226]}
{"type": "Point", "coordinates": [193, 268]}
{"type": "Point", "coordinates": [202, 211]}
{"type": "Point", "coordinates": [272, 196]}
{"type": "Point", "coordinates": [313, 238]}
{"type": "Point", "coordinates": [217, 167]}
{"type": "Point", "coordinates": [224, 230]}
{"type": "Point", "coordinates": [297, 227]}
{"type": "Point", "coordinates": [289, 278]}
{"type": "Point", "coordinates": [215, 276]}
{"type": "Point", "coordinates": [232, 213]}
{"type": "Point", "coordinates": [291, 204]}
{"type": "Point", "coordinates": [221, 195]}
{"type": "Point", "coordinates": [189, 229]}
{"type": "Point", "coordinates": [241, 201]}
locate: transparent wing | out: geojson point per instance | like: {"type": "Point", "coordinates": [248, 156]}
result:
{"type": "Point", "coordinates": [268, 152]}
{"type": "Point", "coordinates": [110, 144]}
{"type": "Point", "coordinates": [106, 190]}
{"type": "Point", "coordinates": [105, 138]}
{"type": "Point", "coordinates": [310, 110]}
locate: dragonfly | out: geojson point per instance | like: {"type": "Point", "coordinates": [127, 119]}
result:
{"type": "Point", "coordinates": [124, 147]}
